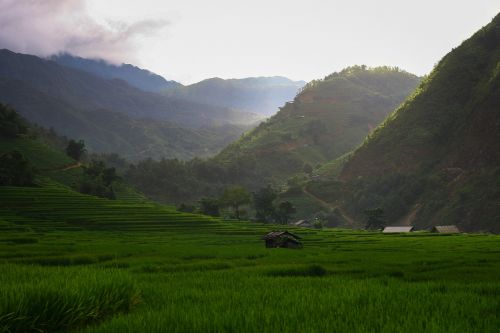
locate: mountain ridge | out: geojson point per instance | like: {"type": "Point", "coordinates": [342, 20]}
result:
{"type": "Point", "coordinates": [437, 155]}
{"type": "Point", "coordinates": [140, 78]}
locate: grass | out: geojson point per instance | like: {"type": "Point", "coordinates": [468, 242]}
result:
{"type": "Point", "coordinates": [34, 299]}
{"type": "Point", "coordinates": [70, 262]}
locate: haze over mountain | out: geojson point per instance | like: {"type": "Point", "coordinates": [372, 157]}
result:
{"type": "Point", "coordinates": [261, 95]}
{"type": "Point", "coordinates": [327, 119]}
{"type": "Point", "coordinates": [112, 116]}
{"type": "Point", "coordinates": [135, 76]}
{"type": "Point", "coordinates": [436, 159]}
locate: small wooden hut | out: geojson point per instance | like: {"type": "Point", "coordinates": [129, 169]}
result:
{"type": "Point", "coordinates": [282, 239]}
{"type": "Point", "coordinates": [445, 229]}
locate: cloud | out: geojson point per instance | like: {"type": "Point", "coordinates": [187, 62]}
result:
{"type": "Point", "coordinates": [46, 27]}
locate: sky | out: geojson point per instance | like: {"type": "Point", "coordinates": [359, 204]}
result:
{"type": "Point", "coordinates": [191, 40]}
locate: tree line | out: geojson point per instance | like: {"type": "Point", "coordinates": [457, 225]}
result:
{"type": "Point", "coordinates": [264, 204]}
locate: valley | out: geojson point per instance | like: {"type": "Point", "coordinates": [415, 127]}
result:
{"type": "Point", "coordinates": [364, 201]}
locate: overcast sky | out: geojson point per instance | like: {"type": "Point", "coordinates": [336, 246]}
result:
{"type": "Point", "coordinates": [190, 40]}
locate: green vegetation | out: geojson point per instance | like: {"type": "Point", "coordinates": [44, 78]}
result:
{"type": "Point", "coordinates": [36, 158]}
{"type": "Point", "coordinates": [375, 219]}
{"type": "Point", "coordinates": [75, 262]}
{"type": "Point", "coordinates": [326, 120]}
{"type": "Point", "coordinates": [68, 260]}
{"type": "Point", "coordinates": [11, 124]}
{"type": "Point", "coordinates": [113, 117]}
{"type": "Point", "coordinates": [435, 160]}
{"type": "Point", "coordinates": [81, 262]}
{"type": "Point", "coordinates": [50, 299]}
{"type": "Point", "coordinates": [98, 180]}
{"type": "Point", "coordinates": [16, 170]}
{"type": "Point", "coordinates": [235, 197]}
{"type": "Point", "coordinates": [75, 149]}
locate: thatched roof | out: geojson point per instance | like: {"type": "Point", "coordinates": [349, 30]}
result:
{"type": "Point", "coordinates": [395, 229]}
{"type": "Point", "coordinates": [446, 229]}
{"type": "Point", "coordinates": [280, 234]}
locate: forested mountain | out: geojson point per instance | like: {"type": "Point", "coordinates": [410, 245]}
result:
{"type": "Point", "coordinates": [261, 95]}
{"type": "Point", "coordinates": [134, 76]}
{"type": "Point", "coordinates": [436, 159]}
{"type": "Point", "coordinates": [89, 92]}
{"type": "Point", "coordinates": [112, 116]}
{"type": "Point", "coordinates": [327, 119]}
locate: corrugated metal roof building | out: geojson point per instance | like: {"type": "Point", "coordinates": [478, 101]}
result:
{"type": "Point", "coordinates": [303, 223]}
{"type": "Point", "coordinates": [396, 229]}
{"type": "Point", "coordinates": [446, 229]}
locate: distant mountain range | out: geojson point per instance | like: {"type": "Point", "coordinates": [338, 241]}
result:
{"type": "Point", "coordinates": [112, 116]}
{"type": "Point", "coordinates": [132, 111]}
{"type": "Point", "coordinates": [89, 92]}
{"type": "Point", "coordinates": [261, 95]}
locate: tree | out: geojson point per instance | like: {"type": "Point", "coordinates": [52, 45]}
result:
{"type": "Point", "coordinates": [75, 149]}
{"type": "Point", "coordinates": [318, 223]}
{"type": "Point", "coordinates": [186, 208]}
{"type": "Point", "coordinates": [307, 168]}
{"type": "Point", "coordinates": [109, 176]}
{"type": "Point", "coordinates": [375, 219]}
{"type": "Point", "coordinates": [235, 197]}
{"type": "Point", "coordinates": [263, 201]}
{"type": "Point", "coordinates": [16, 170]}
{"type": "Point", "coordinates": [98, 180]}
{"type": "Point", "coordinates": [284, 212]}
{"type": "Point", "coordinates": [209, 206]}
{"type": "Point", "coordinates": [11, 123]}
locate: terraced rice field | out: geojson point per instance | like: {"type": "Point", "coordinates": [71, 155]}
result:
{"type": "Point", "coordinates": [76, 263]}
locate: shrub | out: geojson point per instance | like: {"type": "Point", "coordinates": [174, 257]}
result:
{"type": "Point", "coordinates": [16, 170]}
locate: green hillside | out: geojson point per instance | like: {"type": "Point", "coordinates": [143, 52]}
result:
{"type": "Point", "coordinates": [327, 119]}
{"type": "Point", "coordinates": [435, 160]}
{"type": "Point", "coordinates": [48, 162]}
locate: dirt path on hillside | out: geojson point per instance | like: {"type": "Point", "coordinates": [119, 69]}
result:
{"type": "Point", "coordinates": [71, 166]}
{"type": "Point", "coordinates": [65, 168]}
{"type": "Point", "coordinates": [334, 205]}
{"type": "Point", "coordinates": [410, 217]}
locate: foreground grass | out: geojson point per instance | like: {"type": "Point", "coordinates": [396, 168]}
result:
{"type": "Point", "coordinates": [35, 299]}
{"type": "Point", "coordinates": [75, 263]}
{"type": "Point", "coordinates": [342, 281]}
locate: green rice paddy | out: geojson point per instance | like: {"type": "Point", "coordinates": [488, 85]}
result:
{"type": "Point", "coordinates": [76, 263]}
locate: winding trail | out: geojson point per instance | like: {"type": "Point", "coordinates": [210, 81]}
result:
{"type": "Point", "coordinates": [65, 168]}
{"type": "Point", "coordinates": [71, 166]}
{"type": "Point", "coordinates": [327, 205]}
